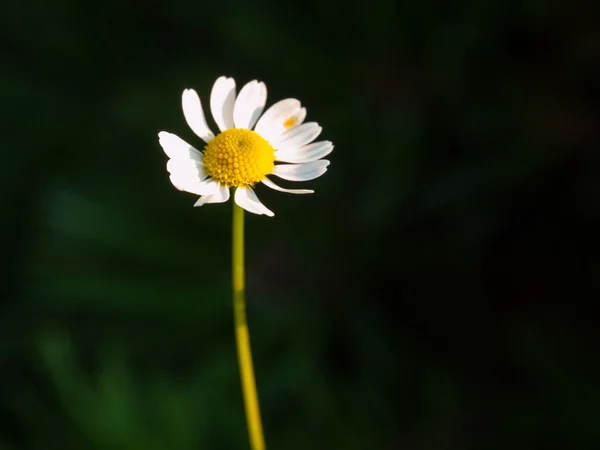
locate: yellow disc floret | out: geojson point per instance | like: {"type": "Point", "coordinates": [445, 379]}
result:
{"type": "Point", "coordinates": [238, 157]}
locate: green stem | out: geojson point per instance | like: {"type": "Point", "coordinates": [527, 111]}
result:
{"type": "Point", "coordinates": [257, 441]}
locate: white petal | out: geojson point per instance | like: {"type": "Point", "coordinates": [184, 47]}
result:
{"type": "Point", "coordinates": [298, 118]}
{"type": "Point", "coordinates": [193, 185]}
{"type": "Point", "coordinates": [249, 104]}
{"type": "Point", "coordinates": [194, 115]}
{"type": "Point", "coordinates": [271, 124]}
{"type": "Point", "coordinates": [220, 196]}
{"type": "Point", "coordinates": [222, 99]}
{"type": "Point", "coordinates": [297, 137]}
{"type": "Point", "coordinates": [189, 168]}
{"type": "Point", "coordinates": [305, 154]}
{"type": "Point", "coordinates": [272, 185]}
{"type": "Point", "coordinates": [301, 172]}
{"type": "Point", "coordinates": [247, 199]}
{"type": "Point", "coordinates": [177, 148]}
{"type": "Point", "coordinates": [283, 126]}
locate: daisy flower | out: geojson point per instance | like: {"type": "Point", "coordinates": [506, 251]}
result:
{"type": "Point", "coordinates": [246, 150]}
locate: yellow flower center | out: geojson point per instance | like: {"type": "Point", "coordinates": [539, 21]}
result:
{"type": "Point", "coordinates": [238, 157]}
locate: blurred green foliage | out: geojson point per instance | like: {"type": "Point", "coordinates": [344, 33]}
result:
{"type": "Point", "coordinates": [436, 293]}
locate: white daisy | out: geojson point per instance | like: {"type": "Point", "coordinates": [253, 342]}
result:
{"type": "Point", "coordinates": [239, 157]}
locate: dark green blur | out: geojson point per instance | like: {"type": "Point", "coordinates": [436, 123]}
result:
{"type": "Point", "coordinates": [435, 293]}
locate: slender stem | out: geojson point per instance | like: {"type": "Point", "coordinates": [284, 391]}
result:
{"type": "Point", "coordinates": [257, 441]}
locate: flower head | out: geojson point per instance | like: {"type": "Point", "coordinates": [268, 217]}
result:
{"type": "Point", "coordinates": [248, 147]}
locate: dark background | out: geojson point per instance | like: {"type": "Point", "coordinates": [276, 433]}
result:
{"type": "Point", "coordinates": [436, 293]}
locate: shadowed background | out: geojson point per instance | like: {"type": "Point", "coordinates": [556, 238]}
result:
{"type": "Point", "coordinates": [435, 293]}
